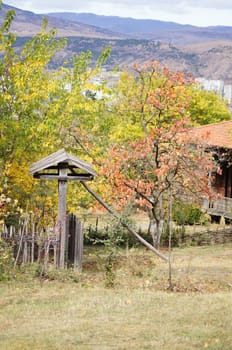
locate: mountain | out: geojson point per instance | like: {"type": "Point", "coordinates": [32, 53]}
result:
{"type": "Point", "coordinates": [204, 52]}
{"type": "Point", "coordinates": [27, 23]}
{"type": "Point", "coordinates": [89, 25]}
{"type": "Point", "coordinates": [150, 29]}
{"type": "Point", "coordinates": [122, 25]}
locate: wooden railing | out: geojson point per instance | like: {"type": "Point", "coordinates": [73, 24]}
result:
{"type": "Point", "coordinates": [219, 207]}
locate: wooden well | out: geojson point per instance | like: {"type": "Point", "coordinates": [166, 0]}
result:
{"type": "Point", "coordinates": [62, 167]}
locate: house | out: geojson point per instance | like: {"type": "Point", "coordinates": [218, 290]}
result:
{"type": "Point", "coordinates": [218, 140]}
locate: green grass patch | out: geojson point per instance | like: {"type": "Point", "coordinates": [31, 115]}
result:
{"type": "Point", "coordinates": [75, 311]}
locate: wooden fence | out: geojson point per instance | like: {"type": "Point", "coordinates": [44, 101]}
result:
{"type": "Point", "coordinates": [39, 245]}
{"type": "Point", "coordinates": [204, 236]}
{"type": "Point", "coordinates": [75, 240]}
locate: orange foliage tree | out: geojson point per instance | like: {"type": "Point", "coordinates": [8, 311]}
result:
{"type": "Point", "coordinates": [143, 172]}
{"type": "Point", "coordinates": [164, 155]}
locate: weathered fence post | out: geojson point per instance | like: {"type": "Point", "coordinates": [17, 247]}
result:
{"type": "Point", "coordinates": [75, 242]}
{"type": "Point", "coordinates": [78, 252]}
{"type": "Point", "coordinates": [33, 243]}
{"type": "Point", "coordinates": [62, 192]}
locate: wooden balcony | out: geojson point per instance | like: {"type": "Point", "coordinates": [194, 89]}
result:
{"type": "Point", "coordinates": [219, 207]}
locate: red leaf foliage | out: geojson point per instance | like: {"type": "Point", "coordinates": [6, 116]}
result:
{"type": "Point", "coordinates": [140, 172]}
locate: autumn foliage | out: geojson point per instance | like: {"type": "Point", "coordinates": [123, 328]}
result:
{"type": "Point", "coordinates": [137, 132]}
{"type": "Point", "coordinates": [142, 171]}
{"type": "Point", "coordinates": [164, 156]}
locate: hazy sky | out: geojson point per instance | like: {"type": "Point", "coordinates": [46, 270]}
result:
{"type": "Point", "coordinates": [196, 12]}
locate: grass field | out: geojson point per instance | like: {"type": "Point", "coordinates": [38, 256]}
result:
{"type": "Point", "coordinates": [76, 311]}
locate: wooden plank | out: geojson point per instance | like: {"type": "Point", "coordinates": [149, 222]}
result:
{"type": "Point", "coordinates": [67, 240]}
{"type": "Point", "coordinates": [82, 177]}
{"type": "Point", "coordinates": [75, 262]}
{"type": "Point", "coordinates": [33, 243]}
{"type": "Point", "coordinates": [70, 234]}
{"type": "Point", "coordinates": [50, 160]}
{"type": "Point", "coordinates": [62, 192]}
{"type": "Point", "coordinates": [78, 246]}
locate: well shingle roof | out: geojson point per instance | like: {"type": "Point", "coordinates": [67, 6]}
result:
{"type": "Point", "coordinates": [60, 157]}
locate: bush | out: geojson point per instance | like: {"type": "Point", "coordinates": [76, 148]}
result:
{"type": "Point", "coordinates": [177, 236]}
{"type": "Point", "coordinates": [6, 261]}
{"type": "Point", "coordinates": [114, 233]}
{"type": "Point", "coordinates": [186, 214]}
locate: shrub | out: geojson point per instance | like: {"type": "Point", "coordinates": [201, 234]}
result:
{"type": "Point", "coordinates": [6, 261]}
{"type": "Point", "coordinates": [186, 213]}
{"type": "Point", "coordinates": [177, 236]}
{"type": "Point", "coordinates": [114, 233]}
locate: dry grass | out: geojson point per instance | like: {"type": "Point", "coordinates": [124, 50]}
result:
{"type": "Point", "coordinates": [139, 313]}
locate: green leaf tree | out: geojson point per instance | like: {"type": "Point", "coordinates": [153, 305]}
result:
{"type": "Point", "coordinates": [43, 110]}
{"type": "Point", "coordinates": [206, 107]}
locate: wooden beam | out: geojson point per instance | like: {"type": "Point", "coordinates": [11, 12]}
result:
{"type": "Point", "coordinates": [81, 177]}
{"type": "Point", "coordinates": [124, 223]}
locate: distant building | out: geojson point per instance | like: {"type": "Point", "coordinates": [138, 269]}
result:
{"type": "Point", "coordinates": [218, 87]}
{"type": "Point", "coordinates": [228, 93]}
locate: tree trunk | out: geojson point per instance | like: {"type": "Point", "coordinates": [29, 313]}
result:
{"type": "Point", "coordinates": [155, 229]}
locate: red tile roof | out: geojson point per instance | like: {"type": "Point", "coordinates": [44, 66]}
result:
{"type": "Point", "coordinates": [217, 134]}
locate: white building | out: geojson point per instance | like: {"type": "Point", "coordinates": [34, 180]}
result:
{"type": "Point", "coordinates": [218, 87]}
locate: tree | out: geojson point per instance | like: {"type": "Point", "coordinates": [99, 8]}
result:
{"type": "Point", "coordinates": [149, 96]}
{"type": "Point", "coordinates": [152, 95]}
{"type": "Point", "coordinates": [41, 110]}
{"type": "Point", "coordinates": [141, 173]}
{"type": "Point", "coordinates": [206, 107]}
{"type": "Point", "coordinates": [27, 101]}
{"type": "Point", "coordinates": [154, 104]}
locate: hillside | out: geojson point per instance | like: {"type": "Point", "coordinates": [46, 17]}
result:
{"type": "Point", "coordinates": [150, 29]}
{"type": "Point", "coordinates": [211, 62]}
{"type": "Point", "coordinates": [204, 52]}
{"type": "Point", "coordinates": [27, 23]}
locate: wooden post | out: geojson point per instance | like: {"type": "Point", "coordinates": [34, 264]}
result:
{"type": "Point", "coordinates": [55, 248]}
{"type": "Point", "coordinates": [62, 193]}
{"type": "Point", "coordinates": [78, 248]}
{"type": "Point", "coordinates": [33, 243]}
{"type": "Point", "coordinates": [170, 240]}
